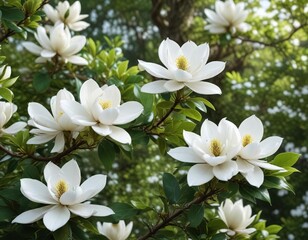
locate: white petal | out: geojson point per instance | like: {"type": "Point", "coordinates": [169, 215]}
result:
{"type": "Point", "coordinates": [154, 87]}
{"type": "Point", "coordinates": [33, 48]}
{"type": "Point", "coordinates": [32, 215]}
{"type": "Point", "coordinates": [52, 173]}
{"type": "Point", "coordinates": [188, 48]}
{"type": "Point", "coordinates": [93, 186]}
{"type": "Point", "coordinates": [77, 113]}
{"type": "Point", "coordinates": [205, 88]}
{"type": "Point", "coordinates": [252, 126]}
{"type": "Point", "coordinates": [101, 129]}
{"type": "Point", "coordinates": [250, 151]}
{"type": "Point", "coordinates": [79, 26]}
{"type": "Point", "coordinates": [213, 17]}
{"type": "Point", "coordinates": [56, 217]}
{"type": "Point", "coordinates": [225, 171]}
{"type": "Point", "coordinates": [51, 13]}
{"type": "Point", "coordinates": [71, 171]}
{"type": "Point", "coordinates": [77, 60]}
{"type": "Point", "coordinates": [89, 92]}
{"type": "Point", "coordinates": [244, 166]}
{"type": "Point", "coordinates": [173, 85]}
{"type": "Point", "coordinates": [128, 112]}
{"type": "Point", "coordinates": [41, 115]}
{"type": "Point", "coordinates": [155, 69]}
{"type": "Point", "coordinates": [59, 38]}
{"type": "Point", "coordinates": [36, 191]}
{"type": "Point", "coordinates": [181, 75]}
{"type": "Point", "coordinates": [15, 128]}
{"type": "Point", "coordinates": [199, 57]}
{"type": "Point", "coordinates": [215, 29]}
{"type": "Point", "coordinates": [209, 130]}
{"type": "Point", "coordinates": [120, 135]}
{"type": "Point", "coordinates": [214, 161]}
{"type": "Point", "coordinates": [59, 143]}
{"type": "Point", "coordinates": [173, 50]}
{"type": "Point", "coordinates": [209, 70]}
{"type": "Point", "coordinates": [254, 177]}
{"type": "Point", "coordinates": [266, 165]}
{"type": "Point", "coordinates": [43, 138]}
{"type": "Point", "coordinates": [81, 210]}
{"type": "Point", "coordinates": [269, 146]}
{"type": "Point", "coordinates": [199, 174]}
{"type": "Point", "coordinates": [108, 116]}
{"type": "Point", "coordinates": [42, 38]}
{"type": "Point", "coordinates": [190, 137]}
{"type": "Point", "coordinates": [47, 53]}
{"type": "Point", "coordinates": [76, 44]}
{"type": "Point", "coordinates": [100, 211]}
{"type": "Point", "coordinates": [163, 53]}
{"type": "Point", "coordinates": [185, 154]}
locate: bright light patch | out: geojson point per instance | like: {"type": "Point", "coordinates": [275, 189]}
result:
{"type": "Point", "coordinates": [105, 104]}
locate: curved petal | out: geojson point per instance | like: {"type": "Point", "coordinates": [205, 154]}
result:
{"type": "Point", "coordinates": [173, 85]}
{"type": "Point", "coordinates": [41, 115]}
{"type": "Point", "coordinates": [265, 165]}
{"type": "Point", "coordinates": [56, 217]}
{"type": "Point", "coordinates": [254, 177]}
{"type": "Point", "coordinates": [100, 211]}
{"type": "Point", "coordinates": [77, 60]}
{"type": "Point", "coordinates": [181, 75]}
{"type": "Point", "coordinates": [89, 92]}
{"type": "Point", "coordinates": [154, 87]}
{"type": "Point", "coordinates": [214, 161]}
{"type": "Point", "coordinates": [190, 137]}
{"type": "Point", "coordinates": [59, 38]}
{"type": "Point", "coordinates": [250, 151]}
{"type": "Point", "coordinates": [52, 173]}
{"type": "Point", "coordinates": [120, 135]}
{"type": "Point", "coordinates": [76, 44]}
{"type": "Point", "coordinates": [252, 126]}
{"type": "Point", "coordinates": [51, 13]}
{"type": "Point", "coordinates": [47, 53]}
{"type": "Point", "coordinates": [269, 146]}
{"type": "Point", "coordinates": [163, 53]}
{"type": "Point", "coordinates": [214, 18]}
{"type": "Point", "coordinates": [244, 166]}
{"type": "Point", "coordinates": [42, 138]}
{"type": "Point", "coordinates": [199, 57]}
{"type": "Point", "coordinates": [36, 191]}
{"type": "Point", "coordinates": [101, 129]}
{"type": "Point", "coordinates": [205, 88]}
{"type": "Point", "coordinates": [79, 26]}
{"type": "Point", "coordinates": [199, 174]}
{"type": "Point", "coordinates": [213, 28]}
{"type": "Point", "coordinates": [42, 38]}
{"type": "Point", "coordinates": [77, 113]}
{"type": "Point", "coordinates": [33, 48]}
{"type": "Point", "coordinates": [185, 154]}
{"type": "Point", "coordinates": [155, 69]}
{"type": "Point", "coordinates": [128, 112]}
{"type": "Point", "coordinates": [32, 215]}
{"type": "Point", "coordinates": [71, 171]}
{"type": "Point", "coordinates": [71, 197]}
{"type": "Point", "coordinates": [226, 170]}
{"type": "Point", "coordinates": [173, 51]}
{"type": "Point", "coordinates": [15, 128]}
{"type": "Point", "coordinates": [81, 210]}
{"type": "Point", "coordinates": [108, 116]}
{"type": "Point", "coordinates": [209, 130]}
{"type": "Point", "coordinates": [59, 143]}
{"type": "Point", "coordinates": [95, 184]}
{"type": "Point", "coordinates": [209, 70]}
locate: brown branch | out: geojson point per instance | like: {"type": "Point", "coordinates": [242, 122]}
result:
{"type": "Point", "coordinates": [176, 213]}
{"type": "Point", "coordinates": [11, 32]}
{"type": "Point", "coordinates": [9, 152]}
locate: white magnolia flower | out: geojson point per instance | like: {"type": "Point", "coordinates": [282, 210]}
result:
{"type": "Point", "coordinates": [117, 231]}
{"type": "Point", "coordinates": [52, 126]}
{"type": "Point", "coordinates": [253, 149]}
{"type": "Point", "coordinates": [69, 15]}
{"type": "Point", "coordinates": [236, 217]}
{"type": "Point", "coordinates": [185, 66]}
{"type": "Point", "coordinates": [7, 110]}
{"type": "Point", "coordinates": [101, 109]}
{"type": "Point", "coordinates": [228, 17]}
{"type": "Point", "coordinates": [63, 194]}
{"type": "Point", "coordinates": [5, 72]}
{"type": "Point", "coordinates": [212, 151]}
{"type": "Point", "coordinates": [58, 43]}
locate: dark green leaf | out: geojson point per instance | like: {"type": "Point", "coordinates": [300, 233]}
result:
{"type": "Point", "coordinates": [171, 188]}
{"type": "Point", "coordinates": [195, 215]}
{"type": "Point", "coordinates": [123, 211]}
{"type": "Point", "coordinates": [41, 82]}
{"type": "Point", "coordinates": [12, 14]}
{"type": "Point", "coordinates": [64, 232]}
{"type": "Point", "coordinates": [106, 153]}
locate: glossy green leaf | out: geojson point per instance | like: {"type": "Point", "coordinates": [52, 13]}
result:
{"type": "Point", "coordinates": [171, 188]}
{"type": "Point", "coordinates": [41, 82]}
{"type": "Point", "coordinates": [286, 159]}
{"type": "Point", "coordinates": [195, 215]}
{"type": "Point", "coordinates": [123, 211]}
{"type": "Point", "coordinates": [106, 153]}
{"type": "Point", "coordinates": [64, 232]}
{"type": "Point", "coordinates": [6, 93]}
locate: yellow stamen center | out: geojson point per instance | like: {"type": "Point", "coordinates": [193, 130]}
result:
{"type": "Point", "coordinates": [105, 104]}
{"type": "Point", "coordinates": [182, 63]}
{"type": "Point", "coordinates": [61, 187]}
{"type": "Point", "coordinates": [216, 147]}
{"type": "Point", "coordinates": [247, 139]}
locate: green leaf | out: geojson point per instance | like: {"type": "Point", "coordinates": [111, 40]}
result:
{"type": "Point", "coordinates": [192, 113]}
{"type": "Point", "coordinates": [122, 67]}
{"type": "Point", "coordinates": [251, 193]}
{"type": "Point", "coordinates": [41, 82]}
{"type": "Point", "coordinates": [286, 159]}
{"type": "Point", "coordinates": [273, 229]}
{"type": "Point", "coordinates": [64, 232]}
{"type": "Point", "coordinates": [195, 215]}
{"type": "Point", "coordinates": [106, 153]}
{"type": "Point", "coordinates": [123, 211]}
{"type": "Point", "coordinates": [11, 25]}
{"type": "Point", "coordinates": [6, 93]}
{"type": "Point", "coordinates": [205, 101]}
{"type": "Point", "coordinates": [219, 236]}
{"type": "Point", "coordinates": [12, 14]}
{"type": "Point", "coordinates": [171, 188]}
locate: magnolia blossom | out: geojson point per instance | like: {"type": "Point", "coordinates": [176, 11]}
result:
{"type": "Point", "coordinates": [7, 110]}
{"type": "Point", "coordinates": [5, 72]}
{"type": "Point", "coordinates": [236, 217]}
{"type": "Point", "coordinates": [212, 151]}
{"type": "Point", "coordinates": [101, 108]}
{"type": "Point", "coordinates": [228, 17]}
{"type": "Point", "coordinates": [63, 194]}
{"type": "Point", "coordinates": [184, 66]}
{"type": "Point", "coordinates": [253, 149]}
{"type": "Point", "coordinates": [53, 126]}
{"type": "Point", "coordinates": [117, 231]}
{"type": "Point", "coordinates": [58, 43]}
{"type": "Point", "coordinates": [69, 15]}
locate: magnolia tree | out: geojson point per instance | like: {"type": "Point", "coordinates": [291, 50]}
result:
{"type": "Point", "coordinates": [101, 108]}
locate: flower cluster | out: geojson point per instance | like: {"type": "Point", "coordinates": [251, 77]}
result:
{"type": "Point", "coordinates": [59, 42]}
{"type": "Point", "coordinates": [228, 16]}
{"type": "Point", "coordinates": [223, 151]}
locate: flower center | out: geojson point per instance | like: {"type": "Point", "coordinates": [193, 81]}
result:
{"type": "Point", "coordinates": [247, 139]}
{"type": "Point", "coordinates": [216, 147]}
{"type": "Point", "coordinates": [105, 104]}
{"type": "Point", "coordinates": [61, 187]}
{"type": "Point", "coordinates": [182, 63]}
